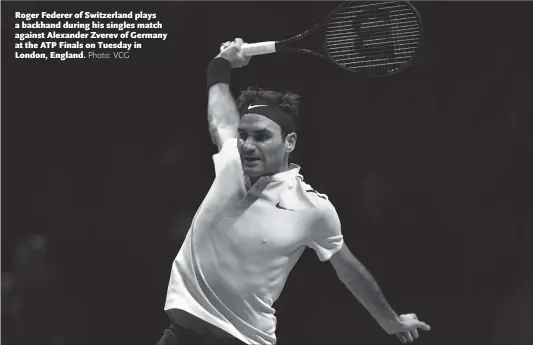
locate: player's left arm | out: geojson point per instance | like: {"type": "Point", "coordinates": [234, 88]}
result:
{"type": "Point", "coordinates": [360, 281]}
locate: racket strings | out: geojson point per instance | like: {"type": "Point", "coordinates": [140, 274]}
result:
{"type": "Point", "coordinates": [373, 38]}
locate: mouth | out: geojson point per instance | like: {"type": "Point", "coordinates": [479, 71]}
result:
{"type": "Point", "coordinates": [250, 159]}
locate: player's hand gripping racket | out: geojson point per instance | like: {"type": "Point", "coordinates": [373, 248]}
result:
{"type": "Point", "coordinates": [368, 38]}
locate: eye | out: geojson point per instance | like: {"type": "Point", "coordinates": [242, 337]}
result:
{"type": "Point", "coordinates": [242, 135]}
{"type": "Point", "coordinates": [262, 137]}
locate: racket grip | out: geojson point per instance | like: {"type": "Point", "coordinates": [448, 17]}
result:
{"type": "Point", "coordinates": [251, 49]}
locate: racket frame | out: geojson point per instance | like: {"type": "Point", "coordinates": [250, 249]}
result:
{"type": "Point", "coordinates": [283, 45]}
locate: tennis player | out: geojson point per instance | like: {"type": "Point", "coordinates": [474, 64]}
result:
{"type": "Point", "coordinates": [254, 224]}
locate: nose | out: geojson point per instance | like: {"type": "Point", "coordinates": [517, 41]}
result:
{"type": "Point", "coordinates": [248, 145]}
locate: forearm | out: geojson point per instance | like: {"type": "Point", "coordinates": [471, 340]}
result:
{"type": "Point", "coordinates": [365, 288]}
{"type": "Point", "coordinates": [222, 111]}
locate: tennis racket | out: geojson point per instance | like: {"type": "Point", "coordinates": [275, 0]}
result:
{"type": "Point", "coordinates": [369, 38]}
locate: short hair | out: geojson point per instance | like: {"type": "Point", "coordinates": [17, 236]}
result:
{"type": "Point", "coordinates": [287, 101]}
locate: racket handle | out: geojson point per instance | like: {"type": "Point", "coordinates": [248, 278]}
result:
{"type": "Point", "coordinates": [251, 49]}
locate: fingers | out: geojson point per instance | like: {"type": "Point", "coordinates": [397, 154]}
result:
{"type": "Point", "coordinates": [423, 326]}
{"type": "Point", "coordinates": [232, 52]}
{"type": "Point", "coordinates": [401, 337]}
{"type": "Point", "coordinates": [411, 324]}
{"type": "Point", "coordinates": [409, 337]}
{"type": "Point", "coordinates": [406, 337]}
{"type": "Point", "coordinates": [412, 321]}
{"type": "Point", "coordinates": [225, 45]}
{"type": "Point", "coordinates": [414, 333]}
{"type": "Point", "coordinates": [237, 43]}
{"type": "Point", "coordinates": [419, 324]}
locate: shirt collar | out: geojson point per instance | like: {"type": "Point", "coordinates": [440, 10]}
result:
{"type": "Point", "coordinates": [294, 169]}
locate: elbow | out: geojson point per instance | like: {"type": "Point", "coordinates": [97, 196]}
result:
{"type": "Point", "coordinates": [213, 133]}
{"type": "Point", "coordinates": [346, 265]}
{"type": "Point", "coordinates": [352, 273]}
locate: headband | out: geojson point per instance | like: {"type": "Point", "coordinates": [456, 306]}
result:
{"type": "Point", "coordinates": [273, 112]}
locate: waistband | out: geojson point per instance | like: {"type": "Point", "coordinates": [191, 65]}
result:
{"type": "Point", "coordinates": [188, 321]}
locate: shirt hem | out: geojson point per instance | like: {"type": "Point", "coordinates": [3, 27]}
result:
{"type": "Point", "coordinates": [220, 325]}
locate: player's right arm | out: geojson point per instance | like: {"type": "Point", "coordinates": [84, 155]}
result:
{"type": "Point", "coordinates": [222, 113]}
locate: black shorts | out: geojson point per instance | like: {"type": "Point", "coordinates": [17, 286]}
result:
{"type": "Point", "coordinates": [178, 335]}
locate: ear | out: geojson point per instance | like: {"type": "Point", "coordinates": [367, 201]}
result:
{"type": "Point", "coordinates": [291, 141]}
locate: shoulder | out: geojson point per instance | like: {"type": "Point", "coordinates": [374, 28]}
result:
{"type": "Point", "coordinates": [325, 234]}
{"type": "Point", "coordinates": [312, 192]}
{"type": "Point", "coordinates": [318, 201]}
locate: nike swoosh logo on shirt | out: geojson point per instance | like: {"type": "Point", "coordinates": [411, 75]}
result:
{"type": "Point", "coordinates": [283, 208]}
{"type": "Point", "coordinates": [255, 106]}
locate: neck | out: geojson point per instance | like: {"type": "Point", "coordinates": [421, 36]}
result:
{"type": "Point", "coordinates": [254, 179]}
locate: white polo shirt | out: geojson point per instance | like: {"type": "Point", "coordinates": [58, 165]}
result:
{"type": "Point", "coordinates": [242, 244]}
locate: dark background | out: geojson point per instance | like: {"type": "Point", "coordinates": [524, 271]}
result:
{"type": "Point", "coordinates": [105, 162]}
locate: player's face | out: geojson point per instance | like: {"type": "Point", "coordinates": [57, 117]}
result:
{"type": "Point", "coordinates": [261, 146]}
